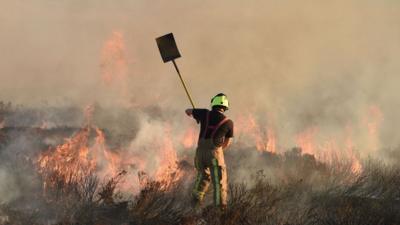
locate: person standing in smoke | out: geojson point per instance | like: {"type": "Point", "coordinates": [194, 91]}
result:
{"type": "Point", "coordinates": [216, 133]}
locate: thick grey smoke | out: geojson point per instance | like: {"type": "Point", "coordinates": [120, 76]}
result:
{"type": "Point", "coordinates": [324, 71]}
{"type": "Point", "coordinates": [298, 65]}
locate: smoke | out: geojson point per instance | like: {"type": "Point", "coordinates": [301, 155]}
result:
{"type": "Point", "coordinates": [17, 173]}
{"type": "Point", "coordinates": [7, 187]}
{"type": "Point", "coordinates": [296, 65]}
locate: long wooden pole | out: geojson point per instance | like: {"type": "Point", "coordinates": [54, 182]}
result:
{"type": "Point", "coordinates": [183, 83]}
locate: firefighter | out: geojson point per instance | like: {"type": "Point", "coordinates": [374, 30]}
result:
{"type": "Point", "coordinates": [216, 133]}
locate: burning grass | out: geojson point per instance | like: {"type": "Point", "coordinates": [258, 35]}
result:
{"type": "Point", "coordinates": [83, 181]}
{"type": "Point", "coordinates": [319, 194]}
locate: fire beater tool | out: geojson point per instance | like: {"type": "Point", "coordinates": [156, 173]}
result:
{"type": "Point", "coordinates": [169, 52]}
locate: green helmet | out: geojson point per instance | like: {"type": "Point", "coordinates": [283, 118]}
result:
{"type": "Point", "coordinates": [220, 100]}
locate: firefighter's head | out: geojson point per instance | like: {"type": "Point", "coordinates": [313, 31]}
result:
{"type": "Point", "coordinates": [220, 102]}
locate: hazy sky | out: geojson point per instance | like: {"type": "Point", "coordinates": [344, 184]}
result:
{"type": "Point", "coordinates": [299, 62]}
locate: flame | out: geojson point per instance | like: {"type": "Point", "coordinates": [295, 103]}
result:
{"type": "Point", "coordinates": [114, 64]}
{"type": "Point", "coordinates": [168, 172]}
{"type": "Point", "coordinates": [189, 138]}
{"type": "Point", "coordinates": [271, 141]}
{"type": "Point", "coordinates": [264, 138]}
{"type": "Point", "coordinates": [306, 140]}
{"type": "Point", "coordinates": [113, 59]}
{"type": "Point", "coordinates": [76, 159]}
{"type": "Point", "coordinates": [375, 116]}
{"type": "Point", "coordinates": [373, 120]}
{"type": "Point", "coordinates": [325, 148]}
{"type": "Point", "coordinates": [331, 149]}
{"type": "Point", "coordinates": [69, 162]}
{"type": "Point", "coordinates": [356, 166]}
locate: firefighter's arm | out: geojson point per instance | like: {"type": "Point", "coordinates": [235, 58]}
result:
{"type": "Point", "coordinates": [227, 143]}
{"type": "Point", "coordinates": [229, 135]}
{"type": "Point", "coordinates": [189, 112]}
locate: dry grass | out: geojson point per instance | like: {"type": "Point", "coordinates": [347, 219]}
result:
{"type": "Point", "coordinates": [331, 195]}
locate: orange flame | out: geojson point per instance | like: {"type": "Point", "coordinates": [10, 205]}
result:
{"type": "Point", "coordinates": [168, 172]}
{"type": "Point", "coordinates": [189, 138]}
{"type": "Point", "coordinates": [113, 59]}
{"type": "Point", "coordinates": [264, 138]}
{"type": "Point", "coordinates": [271, 141]}
{"type": "Point", "coordinates": [76, 159]}
{"type": "Point", "coordinates": [306, 140]}
{"type": "Point", "coordinates": [373, 120]}
{"type": "Point", "coordinates": [69, 162]}
{"type": "Point", "coordinates": [375, 116]}
{"type": "Point", "coordinates": [329, 149]}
